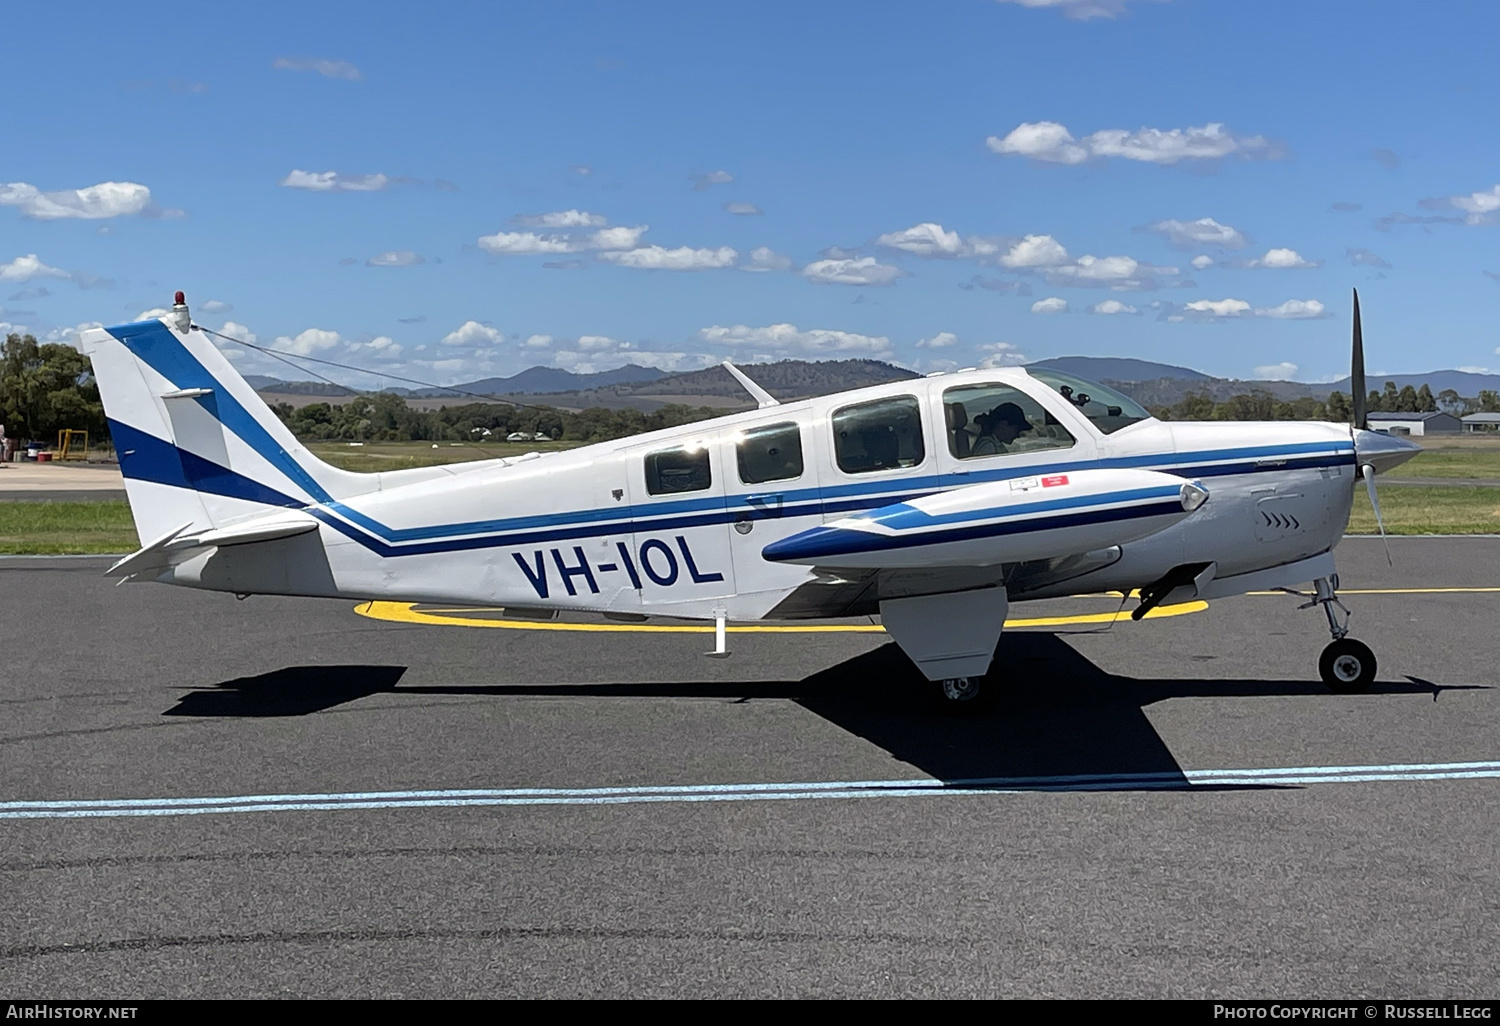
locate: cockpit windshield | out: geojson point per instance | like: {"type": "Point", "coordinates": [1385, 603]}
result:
{"type": "Point", "coordinates": [1109, 410]}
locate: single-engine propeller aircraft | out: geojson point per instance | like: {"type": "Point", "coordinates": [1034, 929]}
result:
{"type": "Point", "coordinates": [933, 502]}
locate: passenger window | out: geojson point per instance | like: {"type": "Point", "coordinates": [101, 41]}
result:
{"type": "Point", "coordinates": [883, 435]}
{"type": "Point", "coordinates": [677, 470]}
{"type": "Point", "coordinates": [770, 453]}
{"type": "Point", "coordinates": [987, 420]}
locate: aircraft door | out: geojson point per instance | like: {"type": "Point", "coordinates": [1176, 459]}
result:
{"type": "Point", "coordinates": [680, 551]}
{"type": "Point", "coordinates": [994, 431]}
{"type": "Point", "coordinates": [772, 485]}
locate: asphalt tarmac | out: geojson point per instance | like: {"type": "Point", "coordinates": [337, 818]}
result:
{"type": "Point", "coordinates": [316, 803]}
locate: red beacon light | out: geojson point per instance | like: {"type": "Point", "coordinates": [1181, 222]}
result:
{"type": "Point", "coordinates": [181, 318]}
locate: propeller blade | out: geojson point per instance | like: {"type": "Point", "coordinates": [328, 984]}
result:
{"type": "Point", "coordinates": [1368, 473]}
{"type": "Point", "coordinates": [1357, 375]}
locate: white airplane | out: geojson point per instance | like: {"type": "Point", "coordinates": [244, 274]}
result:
{"type": "Point", "coordinates": [933, 502]}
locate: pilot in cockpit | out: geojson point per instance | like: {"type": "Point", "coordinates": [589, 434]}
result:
{"type": "Point", "coordinates": [998, 428]}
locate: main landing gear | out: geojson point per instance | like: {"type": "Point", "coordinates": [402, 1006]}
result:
{"type": "Point", "coordinates": [1346, 666]}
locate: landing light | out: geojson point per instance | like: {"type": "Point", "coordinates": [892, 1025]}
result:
{"type": "Point", "coordinates": [1193, 496]}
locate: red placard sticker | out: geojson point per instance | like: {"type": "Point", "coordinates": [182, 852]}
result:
{"type": "Point", "coordinates": [1054, 480]}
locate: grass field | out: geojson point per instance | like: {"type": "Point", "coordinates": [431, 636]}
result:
{"type": "Point", "coordinates": [66, 528]}
{"type": "Point", "coordinates": [1456, 457]}
{"type": "Point", "coordinates": [375, 456]}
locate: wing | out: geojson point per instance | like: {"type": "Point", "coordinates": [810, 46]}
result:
{"type": "Point", "coordinates": [1012, 521]}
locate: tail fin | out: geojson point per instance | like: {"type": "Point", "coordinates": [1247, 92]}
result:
{"type": "Point", "coordinates": [197, 446]}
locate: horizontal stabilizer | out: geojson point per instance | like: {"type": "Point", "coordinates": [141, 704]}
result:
{"type": "Point", "coordinates": [176, 545]}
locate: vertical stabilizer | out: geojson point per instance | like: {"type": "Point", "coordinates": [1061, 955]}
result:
{"type": "Point", "coordinates": [197, 447]}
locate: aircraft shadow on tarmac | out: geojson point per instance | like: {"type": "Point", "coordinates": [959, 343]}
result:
{"type": "Point", "coordinates": [1064, 717]}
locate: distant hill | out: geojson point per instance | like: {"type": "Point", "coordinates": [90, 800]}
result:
{"type": "Point", "coordinates": [1465, 383]}
{"type": "Point", "coordinates": [545, 380]}
{"type": "Point", "coordinates": [1110, 368]}
{"type": "Point", "coordinates": [786, 379]}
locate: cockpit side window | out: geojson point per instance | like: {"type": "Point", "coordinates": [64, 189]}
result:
{"type": "Point", "coordinates": [882, 435]}
{"type": "Point", "coordinates": [987, 420]}
{"type": "Point", "coordinates": [1107, 409]}
{"type": "Point", "coordinates": [673, 471]}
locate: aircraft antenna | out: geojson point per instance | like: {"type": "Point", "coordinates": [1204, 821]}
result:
{"type": "Point", "coordinates": [760, 395]}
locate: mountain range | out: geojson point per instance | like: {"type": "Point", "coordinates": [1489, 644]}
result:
{"type": "Point", "coordinates": [648, 388]}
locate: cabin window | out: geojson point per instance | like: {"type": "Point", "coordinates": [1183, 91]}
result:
{"type": "Point", "coordinates": [674, 471]}
{"type": "Point", "coordinates": [770, 453]}
{"type": "Point", "coordinates": [987, 420]}
{"type": "Point", "coordinates": [882, 435]}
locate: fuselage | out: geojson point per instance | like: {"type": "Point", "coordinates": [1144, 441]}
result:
{"type": "Point", "coordinates": [676, 522]}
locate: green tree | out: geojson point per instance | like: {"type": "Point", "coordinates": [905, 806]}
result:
{"type": "Point", "coordinates": [1406, 401]}
{"type": "Point", "coordinates": [1390, 399]}
{"type": "Point", "coordinates": [1489, 401]}
{"type": "Point", "coordinates": [1338, 408]}
{"type": "Point", "coordinates": [45, 388]}
{"type": "Point", "coordinates": [1425, 402]}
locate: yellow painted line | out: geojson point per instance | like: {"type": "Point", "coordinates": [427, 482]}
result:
{"type": "Point", "coordinates": [406, 612]}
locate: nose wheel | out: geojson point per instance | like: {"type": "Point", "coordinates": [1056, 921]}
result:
{"type": "Point", "coordinates": [1346, 666]}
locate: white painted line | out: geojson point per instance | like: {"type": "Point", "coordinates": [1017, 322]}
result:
{"type": "Point", "coordinates": [1298, 776]}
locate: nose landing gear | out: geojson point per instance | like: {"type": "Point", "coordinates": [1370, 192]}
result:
{"type": "Point", "coordinates": [1346, 666]}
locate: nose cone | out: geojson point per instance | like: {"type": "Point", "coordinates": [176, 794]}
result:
{"type": "Point", "coordinates": [1383, 452]}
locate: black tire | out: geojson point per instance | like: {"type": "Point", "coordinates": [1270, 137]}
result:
{"type": "Point", "coordinates": [963, 696]}
{"type": "Point", "coordinates": [1347, 666]}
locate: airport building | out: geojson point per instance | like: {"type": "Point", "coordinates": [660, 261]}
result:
{"type": "Point", "coordinates": [1481, 422]}
{"type": "Point", "coordinates": [1416, 423]}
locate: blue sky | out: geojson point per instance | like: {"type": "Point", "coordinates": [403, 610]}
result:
{"type": "Point", "coordinates": [449, 191]}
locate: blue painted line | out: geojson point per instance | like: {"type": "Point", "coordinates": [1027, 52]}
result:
{"type": "Point", "coordinates": [1300, 776]}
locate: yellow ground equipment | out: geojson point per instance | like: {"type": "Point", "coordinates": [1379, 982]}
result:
{"type": "Point", "coordinates": [72, 445]}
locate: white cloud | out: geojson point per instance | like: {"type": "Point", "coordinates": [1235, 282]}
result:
{"type": "Point", "coordinates": [942, 340]}
{"type": "Point", "coordinates": [24, 268]}
{"type": "Point", "coordinates": [562, 219]}
{"type": "Point", "coordinates": [395, 258]}
{"type": "Point", "coordinates": [332, 181]}
{"type": "Point", "coordinates": [616, 238]}
{"type": "Point", "coordinates": [322, 65]}
{"type": "Point", "coordinates": [855, 271]}
{"type": "Point", "coordinates": [1293, 310]}
{"type": "Point", "coordinates": [785, 340]}
{"type": "Point", "coordinates": [1078, 10]}
{"type": "Point", "coordinates": [308, 342]}
{"type": "Point", "coordinates": [385, 347]}
{"type": "Point", "coordinates": [932, 240]}
{"type": "Point", "coordinates": [1481, 207]}
{"type": "Point", "coordinates": [1201, 261]}
{"type": "Point", "coordinates": [215, 306]}
{"type": "Point", "coordinates": [239, 331]}
{"type": "Point", "coordinates": [742, 209]}
{"type": "Point", "coordinates": [1112, 306]}
{"type": "Point", "coordinates": [1122, 273]}
{"type": "Point", "coordinates": [1284, 259]}
{"type": "Point", "coordinates": [701, 182]}
{"type": "Point", "coordinates": [1050, 305]}
{"type": "Point", "coordinates": [763, 258]}
{"type": "Point", "coordinates": [527, 244]}
{"type": "Point", "coordinates": [152, 314]}
{"type": "Point", "coordinates": [1050, 142]}
{"type": "Point", "coordinates": [107, 199]}
{"type": "Point", "coordinates": [1215, 308]}
{"type": "Point", "coordinates": [1203, 232]}
{"type": "Point", "coordinates": [1002, 354]}
{"type": "Point", "coordinates": [1276, 372]}
{"type": "Point", "coordinates": [1041, 140]}
{"type": "Point", "coordinates": [1035, 251]}
{"type": "Point", "coordinates": [684, 258]}
{"type": "Point", "coordinates": [472, 333]}
{"type": "Point", "coordinates": [538, 342]}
